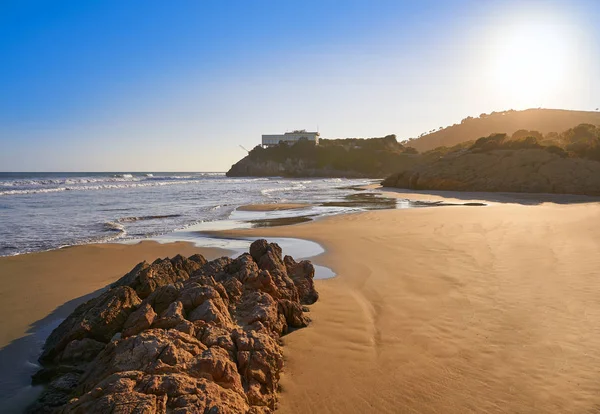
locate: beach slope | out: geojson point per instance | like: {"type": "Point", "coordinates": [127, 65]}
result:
{"type": "Point", "coordinates": [451, 309]}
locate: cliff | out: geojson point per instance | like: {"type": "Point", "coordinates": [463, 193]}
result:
{"type": "Point", "coordinates": [530, 171]}
{"type": "Point", "coordinates": [375, 157]}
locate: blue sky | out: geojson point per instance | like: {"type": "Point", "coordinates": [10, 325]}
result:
{"type": "Point", "coordinates": [177, 86]}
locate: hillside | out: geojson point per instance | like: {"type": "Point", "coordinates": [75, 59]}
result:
{"type": "Point", "coordinates": [353, 157]}
{"type": "Point", "coordinates": [566, 163]}
{"type": "Point", "coordinates": [542, 120]}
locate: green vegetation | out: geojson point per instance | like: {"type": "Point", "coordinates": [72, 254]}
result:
{"type": "Point", "coordinates": [582, 141]}
{"type": "Point", "coordinates": [377, 157]}
{"type": "Point", "coordinates": [470, 128]}
{"type": "Point", "coordinates": [368, 157]}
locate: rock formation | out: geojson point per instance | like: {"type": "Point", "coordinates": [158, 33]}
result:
{"type": "Point", "coordinates": [290, 167]}
{"type": "Point", "coordinates": [180, 335]}
{"type": "Point", "coordinates": [523, 170]}
{"type": "Point", "coordinates": [351, 158]}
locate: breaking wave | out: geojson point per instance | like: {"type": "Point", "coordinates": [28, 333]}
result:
{"type": "Point", "coordinates": [132, 219]}
{"type": "Point", "coordinates": [114, 227]}
{"type": "Point", "coordinates": [94, 187]}
{"type": "Point", "coordinates": [268, 191]}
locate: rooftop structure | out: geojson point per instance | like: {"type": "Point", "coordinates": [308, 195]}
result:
{"type": "Point", "coordinates": [290, 137]}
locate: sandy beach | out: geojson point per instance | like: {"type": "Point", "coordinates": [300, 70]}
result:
{"type": "Point", "coordinates": [433, 310]}
{"type": "Point", "coordinates": [33, 285]}
{"type": "Point", "coordinates": [451, 310]}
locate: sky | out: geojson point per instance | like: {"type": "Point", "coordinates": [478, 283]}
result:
{"type": "Point", "coordinates": [179, 86]}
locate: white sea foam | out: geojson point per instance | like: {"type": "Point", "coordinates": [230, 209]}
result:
{"type": "Point", "coordinates": [268, 191]}
{"type": "Point", "coordinates": [114, 226]}
{"type": "Point", "coordinates": [95, 187]}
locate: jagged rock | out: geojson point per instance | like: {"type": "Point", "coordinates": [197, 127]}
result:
{"type": "Point", "coordinates": [98, 319]}
{"type": "Point", "coordinates": [293, 313]}
{"type": "Point", "coordinates": [260, 361]}
{"type": "Point", "coordinates": [162, 297]}
{"type": "Point", "coordinates": [196, 294]}
{"type": "Point", "coordinates": [203, 340]}
{"type": "Point", "coordinates": [189, 266]}
{"type": "Point", "coordinates": [171, 317]}
{"type": "Point", "coordinates": [139, 320]}
{"type": "Point", "coordinates": [212, 310]}
{"type": "Point", "coordinates": [302, 274]}
{"type": "Point", "coordinates": [78, 351]}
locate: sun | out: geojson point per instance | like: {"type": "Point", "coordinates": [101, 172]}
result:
{"type": "Point", "coordinates": [529, 63]}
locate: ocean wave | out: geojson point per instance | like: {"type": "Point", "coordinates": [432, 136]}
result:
{"type": "Point", "coordinates": [132, 219]}
{"type": "Point", "coordinates": [63, 181]}
{"type": "Point", "coordinates": [118, 178]}
{"type": "Point", "coordinates": [268, 191]}
{"type": "Point", "coordinates": [114, 226]}
{"type": "Point", "coordinates": [94, 187]}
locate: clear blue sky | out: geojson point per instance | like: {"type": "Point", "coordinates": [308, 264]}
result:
{"type": "Point", "coordinates": [178, 85]}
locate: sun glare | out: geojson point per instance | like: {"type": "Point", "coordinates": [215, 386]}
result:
{"type": "Point", "coordinates": [530, 63]}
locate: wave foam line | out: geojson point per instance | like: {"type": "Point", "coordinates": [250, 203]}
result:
{"type": "Point", "coordinates": [94, 187]}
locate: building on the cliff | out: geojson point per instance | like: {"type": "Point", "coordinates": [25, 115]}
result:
{"type": "Point", "coordinates": [290, 137]}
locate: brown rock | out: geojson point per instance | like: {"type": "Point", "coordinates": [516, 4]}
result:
{"type": "Point", "coordinates": [139, 320]}
{"type": "Point", "coordinates": [302, 274]}
{"type": "Point", "coordinates": [99, 319]}
{"type": "Point", "coordinates": [80, 351]}
{"type": "Point", "coordinates": [213, 349]}
{"type": "Point", "coordinates": [171, 317]}
{"type": "Point", "coordinates": [212, 310]}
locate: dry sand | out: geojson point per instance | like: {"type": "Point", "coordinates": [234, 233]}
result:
{"type": "Point", "coordinates": [33, 285]}
{"type": "Point", "coordinates": [451, 310]}
{"type": "Point", "coordinates": [272, 207]}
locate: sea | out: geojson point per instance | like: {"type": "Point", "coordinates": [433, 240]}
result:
{"type": "Point", "coordinates": [43, 211]}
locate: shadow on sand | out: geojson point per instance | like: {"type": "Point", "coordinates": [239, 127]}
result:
{"type": "Point", "coordinates": [529, 199]}
{"type": "Point", "coordinates": [19, 359]}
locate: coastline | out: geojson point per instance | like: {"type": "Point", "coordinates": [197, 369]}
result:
{"type": "Point", "coordinates": [458, 309]}
{"type": "Point", "coordinates": [430, 310]}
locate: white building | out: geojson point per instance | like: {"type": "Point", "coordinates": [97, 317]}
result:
{"type": "Point", "coordinates": [291, 137]}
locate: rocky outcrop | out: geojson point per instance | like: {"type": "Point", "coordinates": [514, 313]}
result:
{"type": "Point", "coordinates": [249, 167]}
{"type": "Point", "coordinates": [525, 170]}
{"type": "Point", "coordinates": [180, 335]}
{"type": "Point", "coordinates": [352, 158]}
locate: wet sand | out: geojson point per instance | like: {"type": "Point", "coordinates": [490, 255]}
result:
{"type": "Point", "coordinates": [451, 310]}
{"type": "Point", "coordinates": [272, 207]}
{"type": "Point", "coordinates": [33, 285]}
